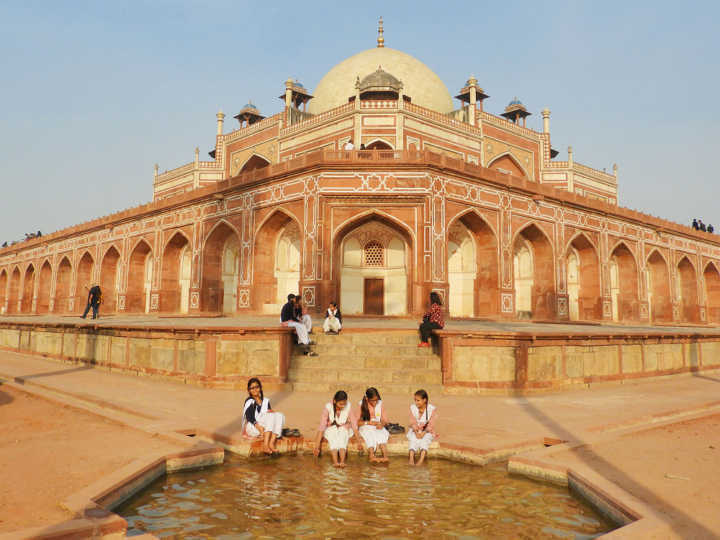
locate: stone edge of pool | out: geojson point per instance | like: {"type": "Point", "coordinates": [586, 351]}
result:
{"type": "Point", "coordinates": [93, 505]}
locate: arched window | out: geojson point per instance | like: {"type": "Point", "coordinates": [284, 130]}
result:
{"type": "Point", "coordinates": [374, 254]}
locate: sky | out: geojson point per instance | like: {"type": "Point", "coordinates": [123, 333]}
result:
{"type": "Point", "coordinates": [95, 93]}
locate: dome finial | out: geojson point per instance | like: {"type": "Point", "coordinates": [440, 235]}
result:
{"type": "Point", "coordinates": [381, 39]}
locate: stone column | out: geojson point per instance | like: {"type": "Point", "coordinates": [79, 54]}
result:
{"type": "Point", "coordinates": [546, 120]}
{"type": "Point", "coordinates": [507, 289]}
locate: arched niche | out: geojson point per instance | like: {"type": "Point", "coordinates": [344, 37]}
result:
{"type": "Point", "coordinates": [176, 275]}
{"type": "Point", "coordinates": [711, 277]}
{"type": "Point", "coordinates": [658, 287]}
{"type": "Point", "coordinates": [28, 289]}
{"type": "Point", "coordinates": [141, 267]}
{"type": "Point", "coordinates": [687, 292]}
{"type": "Point", "coordinates": [220, 270]}
{"type": "Point", "coordinates": [255, 162]}
{"type": "Point", "coordinates": [623, 284]}
{"type": "Point", "coordinates": [507, 164]}
{"type": "Point", "coordinates": [533, 273]}
{"type": "Point", "coordinates": [44, 285]}
{"type": "Point", "coordinates": [109, 279]}
{"type": "Point", "coordinates": [583, 280]}
{"type": "Point", "coordinates": [83, 280]}
{"type": "Point", "coordinates": [277, 256]}
{"type": "Point", "coordinates": [14, 291]}
{"type": "Point", "coordinates": [3, 290]}
{"type": "Point", "coordinates": [62, 286]}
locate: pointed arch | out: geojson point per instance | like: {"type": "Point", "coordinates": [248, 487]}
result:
{"type": "Point", "coordinates": [711, 279]}
{"type": "Point", "coordinates": [139, 277]}
{"type": "Point", "coordinates": [3, 290]}
{"type": "Point", "coordinates": [486, 281]}
{"type": "Point", "coordinates": [659, 297]}
{"type": "Point", "coordinates": [539, 283]}
{"type": "Point", "coordinates": [44, 286]}
{"type": "Point", "coordinates": [14, 290]}
{"type": "Point", "coordinates": [220, 268]}
{"type": "Point", "coordinates": [271, 283]}
{"type": "Point", "coordinates": [109, 279]}
{"type": "Point", "coordinates": [378, 144]}
{"type": "Point", "coordinates": [63, 278]}
{"type": "Point", "coordinates": [507, 162]}
{"type": "Point", "coordinates": [28, 289]}
{"type": "Point", "coordinates": [623, 283]}
{"type": "Point", "coordinates": [687, 290]}
{"type": "Point", "coordinates": [176, 274]}
{"type": "Point", "coordinates": [584, 294]}
{"type": "Point", "coordinates": [255, 161]}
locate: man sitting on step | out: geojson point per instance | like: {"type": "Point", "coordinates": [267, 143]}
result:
{"type": "Point", "coordinates": [288, 318]}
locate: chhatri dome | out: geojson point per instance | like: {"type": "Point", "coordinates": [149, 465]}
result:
{"type": "Point", "coordinates": [419, 82]}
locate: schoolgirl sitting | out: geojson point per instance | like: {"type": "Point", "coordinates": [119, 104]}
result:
{"type": "Point", "coordinates": [259, 420]}
{"type": "Point", "coordinates": [370, 423]}
{"type": "Point", "coordinates": [422, 421]}
{"type": "Point", "coordinates": [336, 427]}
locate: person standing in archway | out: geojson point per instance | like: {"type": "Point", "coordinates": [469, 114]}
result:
{"type": "Point", "coordinates": [432, 320]}
{"type": "Point", "coordinates": [93, 301]}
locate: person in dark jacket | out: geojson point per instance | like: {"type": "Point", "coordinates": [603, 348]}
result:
{"type": "Point", "coordinates": [288, 317]}
{"type": "Point", "coordinates": [93, 301]}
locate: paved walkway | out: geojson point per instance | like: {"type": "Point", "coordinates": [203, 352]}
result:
{"type": "Point", "coordinates": [363, 322]}
{"type": "Point", "coordinates": [487, 423]}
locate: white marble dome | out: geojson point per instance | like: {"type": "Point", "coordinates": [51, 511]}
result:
{"type": "Point", "coordinates": [419, 82]}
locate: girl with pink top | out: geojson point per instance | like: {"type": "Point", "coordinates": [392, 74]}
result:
{"type": "Point", "coordinates": [370, 424]}
{"type": "Point", "coordinates": [422, 422]}
{"type": "Point", "coordinates": [335, 426]}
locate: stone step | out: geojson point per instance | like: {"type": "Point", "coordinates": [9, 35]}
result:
{"type": "Point", "coordinates": [400, 337]}
{"type": "Point", "coordinates": [365, 377]}
{"type": "Point", "coordinates": [356, 390]}
{"type": "Point", "coordinates": [366, 362]}
{"type": "Point", "coordinates": [366, 350]}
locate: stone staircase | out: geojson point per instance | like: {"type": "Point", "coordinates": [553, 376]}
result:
{"type": "Point", "coordinates": [391, 361]}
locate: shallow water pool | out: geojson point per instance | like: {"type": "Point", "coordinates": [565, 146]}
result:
{"type": "Point", "coordinates": [300, 496]}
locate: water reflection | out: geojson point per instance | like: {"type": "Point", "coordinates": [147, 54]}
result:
{"type": "Point", "coordinates": [302, 497]}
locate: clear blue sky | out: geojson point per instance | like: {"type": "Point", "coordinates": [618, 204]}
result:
{"type": "Point", "coordinates": [94, 93]}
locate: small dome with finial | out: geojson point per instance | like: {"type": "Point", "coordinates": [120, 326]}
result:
{"type": "Point", "coordinates": [515, 101]}
{"type": "Point", "coordinates": [379, 81]}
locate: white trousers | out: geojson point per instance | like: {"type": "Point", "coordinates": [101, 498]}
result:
{"type": "Point", "coordinates": [418, 445]}
{"type": "Point", "coordinates": [272, 421]}
{"type": "Point", "coordinates": [374, 436]}
{"type": "Point", "coordinates": [332, 324]}
{"type": "Point", "coordinates": [307, 321]}
{"type": "Point", "coordinates": [338, 437]}
{"type": "Point", "coordinates": [301, 331]}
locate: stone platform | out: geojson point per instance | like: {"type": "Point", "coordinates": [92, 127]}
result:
{"type": "Point", "coordinates": [468, 356]}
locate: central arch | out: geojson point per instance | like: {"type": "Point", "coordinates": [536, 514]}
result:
{"type": "Point", "coordinates": [533, 273]}
{"type": "Point", "coordinates": [507, 164]}
{"type": "Point", "coordinates": [140, 276]}
{"type": "Point", "coordinates": [28, 289]}
{"type": "Point", "coordinates": [62, 286]}
{"type": "Point", "coordinates": [687, 291]}
{"type": "Point", "coordinates": [372, 261]}
{"type": "Point", "coordinates": [44, 283]}
{"type": "Point", "coordinates": [583, 280]}
{"type": "Point", "coordinates": [221, 269]}
{"type": "Point", "coordinates": [658, 286]}
{"type": "Point", "coordinates": [109, 279]}
{"type": "Point", "coordinates": [256, 161]}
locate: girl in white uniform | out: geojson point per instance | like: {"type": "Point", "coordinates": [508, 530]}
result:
{"type": "Point", "coordinates": [259, 419]}
{"type": "Point", "coordinates": [422, 422]}
{"type": "Point", "coordinates": [370, 423]}
{"type": "Point", "coordinates": [335, 427]}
